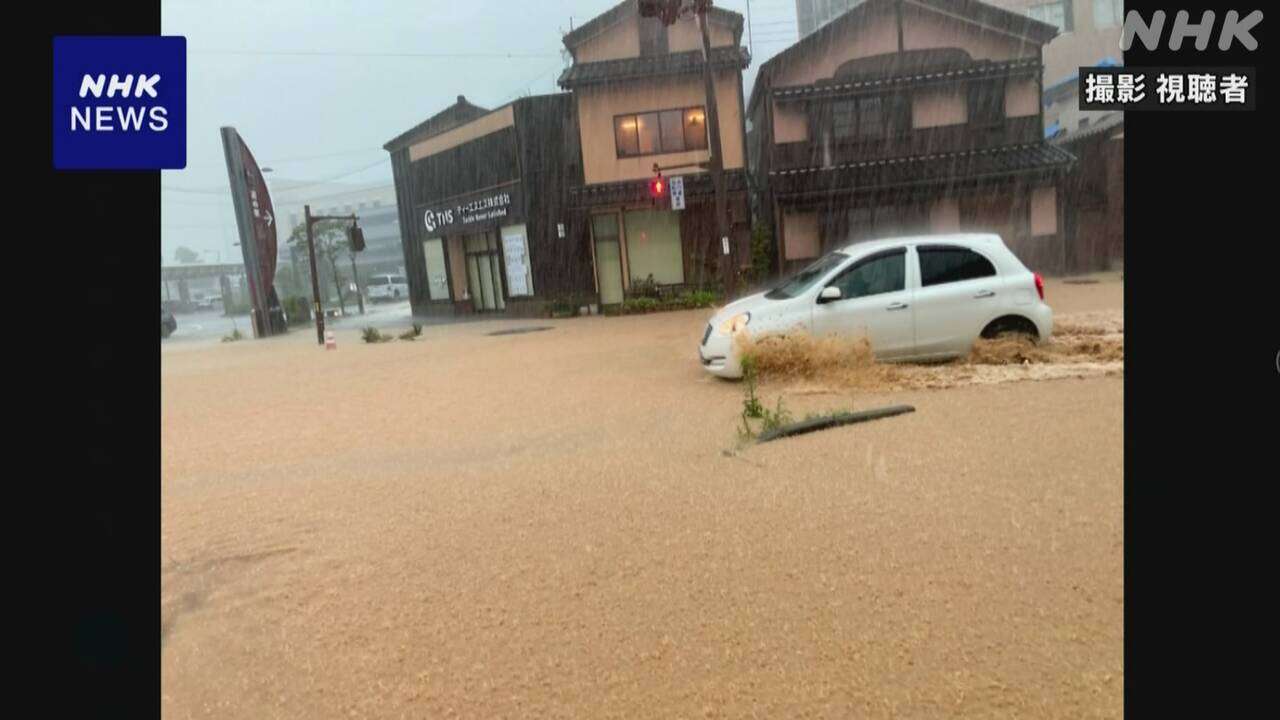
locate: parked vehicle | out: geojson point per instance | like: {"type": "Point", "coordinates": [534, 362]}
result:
{"type": "Point", "coordinates": [168, 323]}
{"type": "Point", "coordinates": [210, 302]}
{"type": "Point", "coordinates": [913, 298]}
{"type": "Point", "coordinates": [388, 288]}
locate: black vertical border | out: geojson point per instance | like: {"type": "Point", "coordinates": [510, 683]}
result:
{"type": "Point", "coordinates": [1202, 328]}
{"type": "Point", "coordinates": [98, 514]}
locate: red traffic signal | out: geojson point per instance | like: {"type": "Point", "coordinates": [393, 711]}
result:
{"type": "Point", "coordinates": [658, 188]}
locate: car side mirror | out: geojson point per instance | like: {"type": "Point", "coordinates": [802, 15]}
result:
{"type": "Point", "coordinates": [829, 293]}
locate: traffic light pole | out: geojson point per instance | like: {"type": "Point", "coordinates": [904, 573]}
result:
{"type": "Point", "coordinates": [310, 221]}
{"type": "Point", "coordinates": [728, 262]}
{"type": "Point", "coordinates": [317, 307]}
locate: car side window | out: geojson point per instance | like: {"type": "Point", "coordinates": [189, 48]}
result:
{"type": "Point", "coordinates": [878, 274]}
{"type": "Point", "coordinates": [940, 264]}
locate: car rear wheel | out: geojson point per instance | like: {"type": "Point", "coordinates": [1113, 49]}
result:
{"type": "Point", "coordinates": [1011, 325]}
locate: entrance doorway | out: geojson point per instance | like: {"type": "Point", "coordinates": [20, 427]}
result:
{"type": "Point", "coordinates": [484, 271]}
{"type": "Point", "coordinates": [604, 231]}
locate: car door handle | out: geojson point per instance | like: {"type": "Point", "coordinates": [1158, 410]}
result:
{"type": "Point", "coordinates": [897, 306]}
{"type": "Point", "coordinates": [985, 294]}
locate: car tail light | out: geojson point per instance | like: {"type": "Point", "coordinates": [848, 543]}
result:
{"type": "Point", "coordinates": [1040, 285]}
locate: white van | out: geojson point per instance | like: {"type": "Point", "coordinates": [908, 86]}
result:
{"type": "Point", "coordinates": [388, 288]}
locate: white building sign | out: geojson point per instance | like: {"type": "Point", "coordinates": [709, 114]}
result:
{"type": "Point", "coordinates": [677, 193]}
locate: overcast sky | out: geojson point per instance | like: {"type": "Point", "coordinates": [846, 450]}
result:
{"type": "Point", "coordinates": [316, 87]}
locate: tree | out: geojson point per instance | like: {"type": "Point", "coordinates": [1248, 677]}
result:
{"type": "Point", "coordinates": [331, 241]}
{"type": "Point", "coordinates": [186, 255]}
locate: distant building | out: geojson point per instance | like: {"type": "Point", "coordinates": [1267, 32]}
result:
{"type": "Point", "coordinates": [813, 14]}
{"type": "Point", "coordinates": [375, 206]}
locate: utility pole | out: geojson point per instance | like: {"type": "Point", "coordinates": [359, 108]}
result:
{"type": "Point", "coordinates": [317, 307]}
{"type": "Point", "coordinates": [728, 260]}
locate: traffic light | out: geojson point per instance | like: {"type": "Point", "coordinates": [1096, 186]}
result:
{"type": "Point", "coordinates": [657, 188]}
{"type": "Point", "coordinates": [357, 238]}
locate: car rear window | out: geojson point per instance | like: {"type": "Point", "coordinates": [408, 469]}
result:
{"type": "Point", "coordinates": [941, 264]}
{"type": "Point", "coordinates": [380, 280]}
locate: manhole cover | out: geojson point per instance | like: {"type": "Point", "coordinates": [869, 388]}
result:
{"type": "Point", "coordinates": [519, 331]}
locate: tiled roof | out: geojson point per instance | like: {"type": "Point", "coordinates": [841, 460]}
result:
{"type": "Point", "coordinates": [971, 72]}
{"type": "Point", "coordinates": [681, 63]}
{"type": "Point", "coordinates": [637, 191]}
{"type": "Point", "coordinates": [926, 169]}
{"type": "Point", "coordinates": [1107, 122]}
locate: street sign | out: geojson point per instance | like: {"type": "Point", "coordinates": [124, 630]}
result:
{"type": "Point", "coordinates": [256, 222]}
{"type": "Point", "coordinates": [677, 193]}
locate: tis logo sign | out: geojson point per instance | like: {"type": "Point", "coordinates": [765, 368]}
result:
{"type": "Point", "coordinates": [437, 219]}
{"type": "Point", "coordinates": [119, 103]}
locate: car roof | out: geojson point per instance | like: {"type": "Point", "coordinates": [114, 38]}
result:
{"type": "Point", "coordinates": [866, 246]}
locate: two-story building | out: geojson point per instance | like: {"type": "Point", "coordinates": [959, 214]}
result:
{"type": "Point", "coordinates": [481, 196]}
{"type": "Point", "coordinates": [907, 116]}
{"type": "Point", "coordinates": [641, 100]}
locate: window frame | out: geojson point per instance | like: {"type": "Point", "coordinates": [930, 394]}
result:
{"type": "Point", "coordinates": [894, 114]}
{"type": "Point", "coordinates": [860, 262]}
{"type": "Point", "coordinates": [684, 134]}
{"type": "Point", "coordinates": [921, 249]}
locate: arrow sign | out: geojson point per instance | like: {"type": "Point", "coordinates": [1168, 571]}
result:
{"type": "Point", "coordinates": [270, 220]}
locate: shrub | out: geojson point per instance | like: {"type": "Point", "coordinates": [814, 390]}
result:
{"type": "Point", "coordinates": [297, 310]}
{"type": "Point", "coordinates": [235, 336]}
{"type": "Point", "coordinates": [373, 335]}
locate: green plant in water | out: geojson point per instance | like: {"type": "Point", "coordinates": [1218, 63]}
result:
{"type": "Point", "coordinates": [372, 335]}
{"type": "Point", "coordinates": [751, 406]}
{"type": "Point", "coordinates": [235, 335]}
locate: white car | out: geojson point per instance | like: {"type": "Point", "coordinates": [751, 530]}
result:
{"type": "Point", "coordinates": [913, 298]}
{"type": "Point", "coordinates": [388, 287]}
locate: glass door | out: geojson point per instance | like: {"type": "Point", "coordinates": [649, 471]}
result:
{"type": "Point", "coordinates": [484, 272]}
{"type": "Point", "coordinates": [604, 231]}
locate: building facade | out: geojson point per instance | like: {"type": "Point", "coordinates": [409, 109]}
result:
{"type": "Point", "coordinates": [481, 197]}
{"type": "Point", "coordinates": [910, 117]}
{"type": "Point", "coordinates": [1088, 35]}
{"type": "Point", "coordinates": [641, 101]}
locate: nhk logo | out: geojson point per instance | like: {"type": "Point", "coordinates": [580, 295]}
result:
{"type": "Point", "coordinates": [119, 103]}
{"type": "Point", "coordinates": [100, 118]}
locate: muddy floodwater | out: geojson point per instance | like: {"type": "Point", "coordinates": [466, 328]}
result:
{"type": "Point", "coordinates": [562, 523]}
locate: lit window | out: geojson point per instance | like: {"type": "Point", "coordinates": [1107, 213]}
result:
{"type": "Point", "coordinates": [667, 131]}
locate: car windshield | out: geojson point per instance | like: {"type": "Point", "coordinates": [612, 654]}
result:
{"type": "Point", "coordinates": [380, 280]}
{"type": "Point", "coordinates": [805, 279]}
